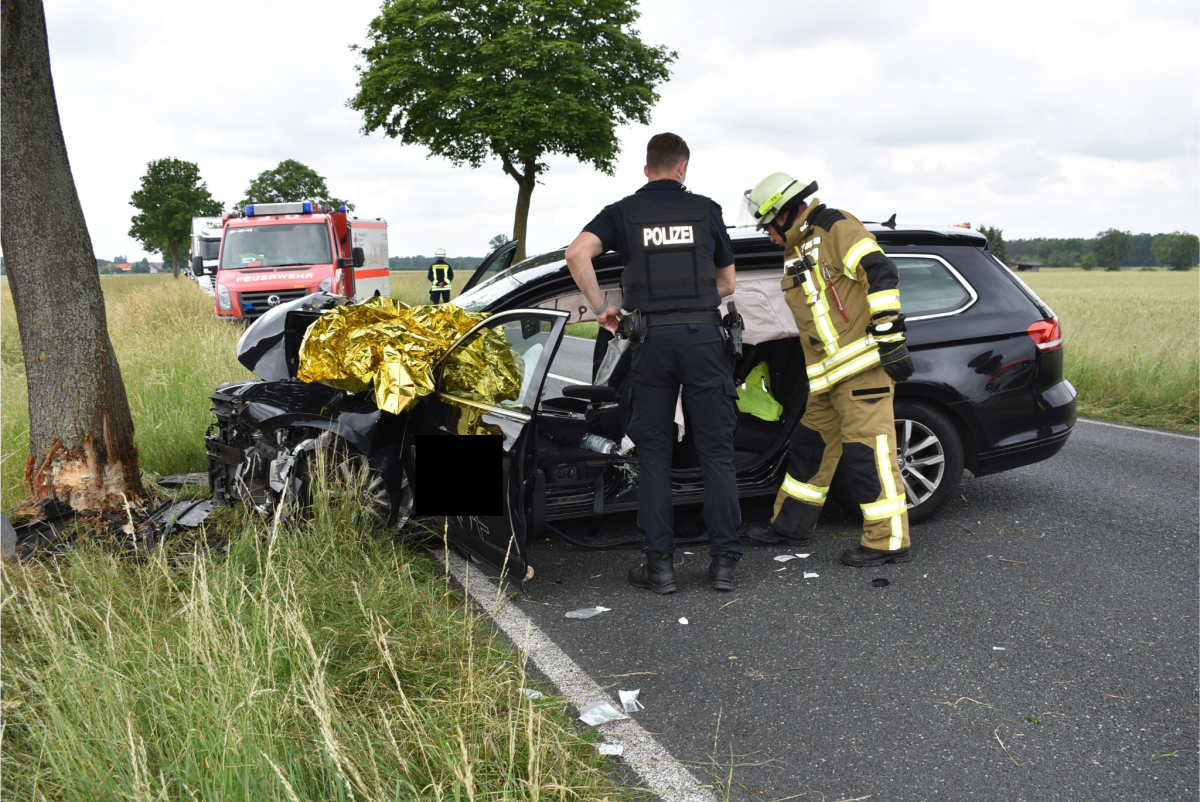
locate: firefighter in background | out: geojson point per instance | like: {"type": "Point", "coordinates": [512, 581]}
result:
{"type": "Point", "coordinates": [440, 276]}
{"type": "Point", "coordinates": [845, 296]}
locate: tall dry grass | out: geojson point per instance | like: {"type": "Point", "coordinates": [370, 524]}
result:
{"type": "Point", "coordinates": [305, 664]}
{"type": "Point", "coordinates": [1131, 342]}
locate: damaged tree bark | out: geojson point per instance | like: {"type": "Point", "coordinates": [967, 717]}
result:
{"type": "Point", "coordinates": [81, 447]}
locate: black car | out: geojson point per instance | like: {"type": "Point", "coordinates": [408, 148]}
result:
{"type": "Point", "coordinates": [988, 394]}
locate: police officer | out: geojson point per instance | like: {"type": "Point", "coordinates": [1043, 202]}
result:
{"type": "Point", "coordinates": [845, 295]}
{"type": "Point", "coordinates": [678, 263]}
{"type": "Point", "coordinates": [440, 276]}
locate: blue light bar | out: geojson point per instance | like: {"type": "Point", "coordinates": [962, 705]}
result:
{"type": "Point", "coordinates": [307, 208]}
{"type": "Point", "coordinates": [250, 210]}
{"type": "Point", "coordinates": [342, 209]}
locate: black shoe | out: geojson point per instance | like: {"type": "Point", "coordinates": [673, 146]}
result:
{"type": "Point", "coordinates": [772, 536]}
{"type": "Point", "coordinates": [720, 572]}
{"type": "Point", "coordinates": [861, 556]}
{"type": "Point", "coordinates": [656, 575]}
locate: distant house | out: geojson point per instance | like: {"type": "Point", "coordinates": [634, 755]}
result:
{"type": "Point", "coordinates": [155, 267]}
{"type": "Point", "coordinates": [1025, 267]}
{"type": "Point", "coordinates": [124, 267]}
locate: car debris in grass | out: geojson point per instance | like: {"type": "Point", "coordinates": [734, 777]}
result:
{"type": "Point", "coordinates": [531, 694]}
{"type": "Point", "coordinates": [600, 713]}
{"type": "Point", "coordinates": [611, 749]}
{"type": "Point", "coordinates": [588, 612]}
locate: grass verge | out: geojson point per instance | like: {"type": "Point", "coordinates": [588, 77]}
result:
{"type": "Point", "coordinates": [306, 663]}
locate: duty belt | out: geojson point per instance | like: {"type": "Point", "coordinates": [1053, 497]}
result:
{"type": "Point", "coordinates": [708, 317]}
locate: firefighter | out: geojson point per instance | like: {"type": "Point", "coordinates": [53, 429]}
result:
{"type": "Point", "coordinates": [845, 295]}
{"type": "Point", "coordinates": [440, 276]}
{"type": "Point", "coordinates": [678, 263]}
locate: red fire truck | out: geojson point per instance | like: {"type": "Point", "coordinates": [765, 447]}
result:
{"type": "Point", "coordinates": [277, 252]}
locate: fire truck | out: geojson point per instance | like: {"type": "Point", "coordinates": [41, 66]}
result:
{"type": "Point", "coordinates": [272, 253]}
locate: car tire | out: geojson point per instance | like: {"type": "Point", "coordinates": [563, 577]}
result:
{"type": "Point", "coordinates": [932, 451]}
{"type": "Point", "coordinates": [350, 468]}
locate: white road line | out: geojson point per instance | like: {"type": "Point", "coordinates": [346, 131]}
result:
{"type": "Point", "coordinates": [659, 771]}
{"type": "Point", "coordinates": [1140, 429]}
{"type": "Point", "coordinates": [565, 379]}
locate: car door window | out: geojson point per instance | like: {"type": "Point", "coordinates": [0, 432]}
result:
{"type": "Point", "coordinates": [495, 264]}
{"type": "Point", "coordinates": [929, 287]}
{"type": "Point", "coordinates": [497, 363]}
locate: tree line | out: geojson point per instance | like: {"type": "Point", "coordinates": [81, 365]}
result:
{"type": "Point", "coordinates": [1112, 249]}
{"type": "Point", "coordinates": [423, 262]}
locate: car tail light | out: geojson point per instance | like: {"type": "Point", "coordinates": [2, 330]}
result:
{"type": "Point", "coordinates": [1046, 334]}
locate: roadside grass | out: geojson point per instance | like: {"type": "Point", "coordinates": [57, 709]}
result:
{"type": "Point", "coordinates": [173, 353]}
{"type": "Point", "coordinates": [1130, 341]}
{"type": "Point", "coordinates": [306, 663]}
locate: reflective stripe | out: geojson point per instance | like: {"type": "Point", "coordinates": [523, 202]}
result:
{"type": "Point", "coordinates": [856, 253]}
{"type": "Point", "coordinates": [803, 491]}
{"type": "Point", "coordinates": [884, 456]}
{"type": "Point", "coordinates": [885, 508]}
{"type": "Point", "coordinates": [850, 350]}
{"type": "Point", "coordinates": [858, 365]}
{"type": "Point", "coordinates": [821, 315]}
{"type": "Point", "coordinates": [890, 338]}
{"type": "Point", "coordinates": [884, 300]}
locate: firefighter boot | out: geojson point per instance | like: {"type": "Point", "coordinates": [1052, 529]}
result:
{"type": "Point", "coordinates": [862, 557]}
{"type": "Point", "coordinates": [771, 535]}
{"type": "Point", "coordinates": [656, 575]}
{"type": "Point", "coordinates": [720, 571]}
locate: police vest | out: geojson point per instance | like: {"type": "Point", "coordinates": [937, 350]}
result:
{"type": "Point", "coordinates": [669, 264]}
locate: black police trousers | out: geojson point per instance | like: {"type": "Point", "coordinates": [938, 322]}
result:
{"type": "Point", "coordinates": [439, 296]}
{"type": "Point", "coordinates": [691, 355]}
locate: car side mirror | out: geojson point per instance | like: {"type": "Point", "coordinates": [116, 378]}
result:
{"type": "Point", "coordinates": [198, 268]}
{"type": "Point", "coordinates": [359, 257]}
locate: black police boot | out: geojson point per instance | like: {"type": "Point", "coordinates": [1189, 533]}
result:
{"type": "Point", "coordinates": [862, 557]}
{"type": "Point", "coordinates": [656, 575]}
{"type": "Point", "coordinates": [720, 572]}
{"type": "Point", "coordinates": [772, 536]}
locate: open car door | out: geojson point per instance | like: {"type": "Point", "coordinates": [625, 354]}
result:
{"type": "Point", "coordinates": [532, 337]}
{"type": "Point", "coordinates": [496, 262]}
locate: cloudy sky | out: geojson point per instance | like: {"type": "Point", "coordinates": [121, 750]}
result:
{"type": "Point", "coordinates": [1044, 118]}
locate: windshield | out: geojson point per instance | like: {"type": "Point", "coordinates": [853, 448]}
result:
{"type": "Point", "coordinates": [276, 246]}
{"type": "Point", "coordinates": [209, 248]}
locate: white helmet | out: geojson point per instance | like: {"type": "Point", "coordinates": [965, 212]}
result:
{"type": "Point", "coordinates": [440, 253]}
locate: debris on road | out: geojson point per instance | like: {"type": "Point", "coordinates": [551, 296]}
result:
{"type": "Point", "coordinates": [784, 568]}
{"type": "Point", "coordinates": [611, 749]}
{"type": "Point", "coordinates": [782, 558]}
{"type": "Point", "coordinates": [629, 700]}
{"type": "Point", "coordinates": [879, 582]}
{"type": "Point", "coordinates": [588, 612]}
{"type": "Point", "coordinates": [999, 649]}
{"type": "Point", "coordinates": [683, 620]}
{"type": "Point", "coordinates": [811, 575]}
{"type": "Point", "coordinates": [600, 713]}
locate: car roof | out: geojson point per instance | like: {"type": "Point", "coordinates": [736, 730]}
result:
{"type": "Point", "coordinates": [888, 235]}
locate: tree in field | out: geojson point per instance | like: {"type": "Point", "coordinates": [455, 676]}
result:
{"type": "Point", "coordinates": [496, 241]}
{"type": "Point", "coordinates": [995, 241]}
{"type": "Point", "coordinates": [170, 196]}
{"type": "Point", "coordinates": [1088, 261]}
{"type": "Point", "coordinates": [81, 447]}
{"type": "Point", "coordinates": [1179, 251]}
{"type": "Point", "coordinates": [290, 182]}
{"type": "Point", "coordinates": [509, 79]}
{"type": "Point", "coordinates": [1112, 246]}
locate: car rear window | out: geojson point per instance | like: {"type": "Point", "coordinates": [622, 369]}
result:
{"type": "Point", "coordinates": [928, 287]}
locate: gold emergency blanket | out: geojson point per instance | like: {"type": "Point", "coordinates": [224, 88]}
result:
{"type": "Point", "coordinates": [381, 345]}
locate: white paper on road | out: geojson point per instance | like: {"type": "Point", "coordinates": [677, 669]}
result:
{"type": "Point", "coordinates": [811, 575]}
{"type": "Point", "coordinates": [611, 749]}
{"type": "Point", "coordinates": [588, 612]}
{"type": "Point", "coordinates": [629, 700]}
{"type": "Point", "coordinates": [532, 694]}
{"type": "Point", "coordinates": [804, 556]}
{"type": "Point", "coordinates": [782, 558]}
{"type": "Point", "coordinates": [598, 714]}
{"type": "Point", "coordinates": [683, 620]}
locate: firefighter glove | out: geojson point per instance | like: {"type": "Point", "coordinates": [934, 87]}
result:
{"type": "Point", "coordinates": [896, 360]}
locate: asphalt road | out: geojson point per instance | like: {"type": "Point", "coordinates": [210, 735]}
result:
{"type": "Point", "coordinates": [1042, 644]}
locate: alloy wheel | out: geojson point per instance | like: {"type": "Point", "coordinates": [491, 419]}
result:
{"type": "Point", "coordinates": [921, 458]}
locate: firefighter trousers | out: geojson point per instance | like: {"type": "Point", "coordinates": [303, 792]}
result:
{"type": "Point", "coordinates": [853, 422]}
{"type": "Point", "coordinates": [439, 296]}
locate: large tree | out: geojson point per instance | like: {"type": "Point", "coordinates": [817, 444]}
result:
{"type": "Point", "coordinates": [81, 447]}
{"type": "Point", "coordinates": [1111, 247]}
{"type": "Point", "coordinates": [995, 241]}
{"type": "Point", "coordinates": [170, 196]}
{"type": "Point", "coordinates": [1179, 251]}
{"type": "Point", "coordinates": [510, 79]}
{"type": "Point", "coordinates": [291, 181]}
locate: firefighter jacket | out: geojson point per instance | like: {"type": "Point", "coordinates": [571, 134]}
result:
{"type": "Point", "coordinates": [440, 276]}
{"type": "Point", "coordinates": [837, 282]}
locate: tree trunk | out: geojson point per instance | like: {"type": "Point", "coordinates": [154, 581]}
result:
{"type": "Point", "coordinates": [175, 258]}
{"type": "Point", "coordinates": [81, 447]}
{"type": "Point", "coordinates": [526, 181]}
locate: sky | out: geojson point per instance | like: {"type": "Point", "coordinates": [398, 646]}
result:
{"type": "Point", "coordinates": [1041, 118]}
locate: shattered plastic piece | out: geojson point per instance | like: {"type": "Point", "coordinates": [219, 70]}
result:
{"type": "Point", "coordinates": [688, 553]}
{"type": "Point", "coordinates": [879, 582]}
{"type": "Point", "coordinates": [804, 556]}
{"type": "Point", "coordinates": [611, 749]}
{"type": "Point", "coordinates": [811, 575]}
{"type": "Point", "coordinates": [999, 649]}
{"type": "Point", "coordinates": [187, 514]}
{"type": "Point", "coordinates": [532, 694]}
{"type": "Point", "coordinates": [782, 558]}
{"type": "Point", "coordinates": [599, 714]}
{"type": "Point", "coordinates": [184, 480]}
{"type": "Point", "coordinates": [784, 568]}
{"type": "Point", "coordinates": [629, 700]}
{"type": "Point", "coordinates": [587, 612]}
{"type": "Point", "coordinates": [683, 620]}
